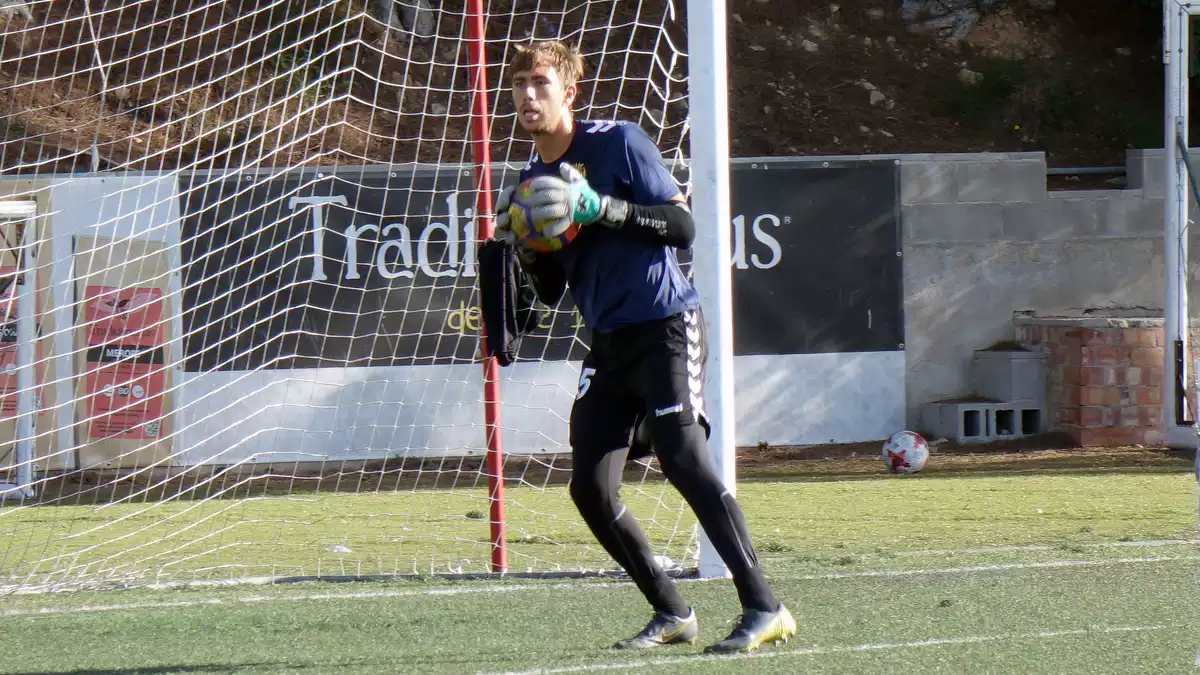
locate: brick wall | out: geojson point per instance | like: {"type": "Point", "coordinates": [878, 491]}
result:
{"type": "Point", "coordinates": [1102, 377]}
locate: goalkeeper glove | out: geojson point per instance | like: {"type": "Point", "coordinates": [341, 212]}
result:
{"type": "Point", "coordinates": [570, 199]}
{"type": "Point", "coordinates": [502, 229]}
{"type": "Point", "coordinates": [566, 200]}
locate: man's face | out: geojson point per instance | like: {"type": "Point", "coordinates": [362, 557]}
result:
{"type": "Point", "coordinates": [541, 99]}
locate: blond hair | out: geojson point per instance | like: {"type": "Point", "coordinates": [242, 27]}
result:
{"type": "Point", "coordinates": [565, 60]}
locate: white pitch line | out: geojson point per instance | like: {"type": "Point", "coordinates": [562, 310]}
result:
{"type": "Point", "coordinates": [840, 649]}
{"type": "Point", "coordinates": [995, 567]}
{"type": "Point", "coordinates": [253, 599]}
{"type": "Point", "coordinates": [1142, 543]}
{"type": "Point", "coordinates": [510, 588]}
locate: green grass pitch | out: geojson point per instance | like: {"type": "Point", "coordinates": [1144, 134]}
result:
{"type": "Point", "coordinates": [980, 566]}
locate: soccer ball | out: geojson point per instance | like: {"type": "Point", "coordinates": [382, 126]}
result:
{"type": "Point", "coordinates": [530, 232]}
{"type": "Point", "coordinates": [905, 452]}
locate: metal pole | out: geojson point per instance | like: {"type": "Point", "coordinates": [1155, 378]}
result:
{"type": "Point", "coordinates": [708, 93]}
{"type": "Point", "coordinates": [26, 353]}
{"type": "Point", "coordinates": [24, 213]}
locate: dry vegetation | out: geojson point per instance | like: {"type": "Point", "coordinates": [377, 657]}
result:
{"type": "Point", "coordinates": [182, 83]}
{"type": "Point", "coordinates": [201, 84]}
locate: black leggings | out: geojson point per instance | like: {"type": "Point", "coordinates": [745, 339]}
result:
{"type": "Point", "coordinates": [649, 374]}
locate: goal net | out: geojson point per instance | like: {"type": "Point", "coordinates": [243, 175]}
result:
{"type": "Point", "coordinates": [240, 336]}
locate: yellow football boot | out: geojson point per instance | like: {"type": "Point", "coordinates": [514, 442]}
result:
{"type": "Point", "coordinates": [756, 628]}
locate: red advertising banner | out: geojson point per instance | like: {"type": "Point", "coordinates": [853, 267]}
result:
{"type": "Point", "coordinates": [126, 400]}
{"type": "Point", "coordinates": [123, 316]}
{"type": "Point", "coordinates": [8, 293]}
{"type": "Point", "coordinates": [8, 371]}
{"type": "Point", "coordinates": [125, 376]}
{"type": "Point", "coordinates": [8, 345]}
{"type": "Point", "coordinates": [8, 379]}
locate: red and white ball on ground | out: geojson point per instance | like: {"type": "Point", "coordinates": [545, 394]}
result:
{"type": "Point", "coordinates": [905, 452]}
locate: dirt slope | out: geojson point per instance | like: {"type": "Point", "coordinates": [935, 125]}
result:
{"type": "Point", "coordinates": [1082, 82]}
{"type": "Point", "coordinates": [194, 83]}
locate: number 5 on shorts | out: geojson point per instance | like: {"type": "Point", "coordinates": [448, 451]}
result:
{"type": "Point", "coordinates": [585, 381]}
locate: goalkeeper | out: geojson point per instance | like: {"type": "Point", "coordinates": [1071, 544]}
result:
{"type": "Point", "coordinates": [645, 367]}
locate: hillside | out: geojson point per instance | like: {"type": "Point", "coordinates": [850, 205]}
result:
{"type": "Point", "coordinates": [1081, 81]}
{"type": "Point", "coordinates": [190, 83]}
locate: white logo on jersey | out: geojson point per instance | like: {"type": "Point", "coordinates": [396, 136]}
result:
{"type": "Point", "coordinates": [601, 126]}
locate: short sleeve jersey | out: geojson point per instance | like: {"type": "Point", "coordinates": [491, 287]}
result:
{"type": "Point", "coordinates": [615, 279]}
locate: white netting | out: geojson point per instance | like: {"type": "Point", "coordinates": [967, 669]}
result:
{"type": "Point", "coordinates": [252, 237]}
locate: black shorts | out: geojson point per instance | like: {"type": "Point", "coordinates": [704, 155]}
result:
{"type": "Point", "coordinates": [649, 370]}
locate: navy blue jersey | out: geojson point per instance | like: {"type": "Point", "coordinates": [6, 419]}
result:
{"type": "Point", "coordinates": [615, 279]}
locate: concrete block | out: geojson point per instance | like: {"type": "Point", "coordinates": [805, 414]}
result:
{"type": "Point", "coordinates": [1013, 181]}
{"type": "Point", "coordinates": [982, 177]}
{"type": "Point", "coordinates": [1051, 219]}
{"type": "Point", "coordinates": [1009, 375]}
{"type": "Point", "coordinates": [926, 182]}
{"type": "Point", "coordinates": [1145, 171]}
{"type": "Point", "coordinates": [967, 421]}
{"type": "Point", "coordinates": [1130, 216]}
{"type": "Point", "coordinates": [1016, 419]}
{"type": "Point", "coordinates": [960, 421]}
{"type": "Point", "coordinates": [1034, 156]}
{"type": "Point", "coordinates": [952, 222]}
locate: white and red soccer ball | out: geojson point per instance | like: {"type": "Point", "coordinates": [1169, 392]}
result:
{"type": "Point", "coordinates": [905, 452]}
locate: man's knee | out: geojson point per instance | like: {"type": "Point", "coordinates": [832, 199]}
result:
{"type": "Point", "coordinates": [583, 489]}
{"type": "Point", "coordinates": [682, 450]}
{"type": "Point", "coordinates": [592, 493]}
